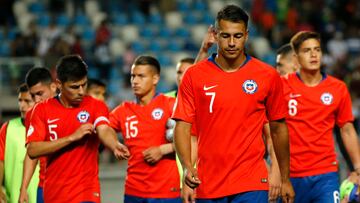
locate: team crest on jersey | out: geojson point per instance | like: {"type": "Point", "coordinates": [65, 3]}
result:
{"type": "Point", "coordinates": [249, 86]}
{"type": "Point", "coordinates": [157, 114]}
{"type": "Point", "coordinates": [327, 98]}
{"type": "Point", "coordinates": [83, 116]}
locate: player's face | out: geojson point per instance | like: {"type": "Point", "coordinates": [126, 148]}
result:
{"type": "Point", "coordinates": [42, 91]}
{"type": "Point", "coordinates": [73, 92]}
{"type": "Point", "coordinates": [180, 70]}
{"type": "Point", "coordinates": [286, 63]}
{"type": "Point", "coordinates": [97, 92]}
{"type": "Point", "coordinates": [25, 103]}
{"type": "Point", "coordinates": [143, 80]}
{"type": "Point", "coordinates": [231, 38]}
{"type": "Point", "coordinates": [309, 55]}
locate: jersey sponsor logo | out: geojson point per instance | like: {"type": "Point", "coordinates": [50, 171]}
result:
{"type": "Point", "coordinates": [53, 120]}
{"type": "Point", "coordinates": [157, 113]}
{"type": "Point", "coordinates": [30, 131]}
{"type": "Point", "coordinates": [327, 98]}
{"type": "Point", "coordinates": [209, 88]}
{"type": "Point", "coordinates": [292, 96]}
{"type": "Point", "coordinates": [249, 86]}
{"type": "Point", "coordinates": [83, 116]}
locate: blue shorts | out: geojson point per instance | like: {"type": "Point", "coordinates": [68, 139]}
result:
{"type": "Point", "coordinates": [317, 189]}
{"type": "Point", "coordinates": [40, 195]}
{"type": "Point", "coordinates": [134, 199]}
{"type": "Point", "coordinates": [253, 196]}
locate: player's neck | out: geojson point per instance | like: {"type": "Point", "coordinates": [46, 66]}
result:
{"type": "Point", "coordinates": [311, 78]}
{"type": "Point", "coordinates": [65, 103]}
{"type": "Point", "coordinates": [230, 65]}
{"type": "Point", "coordinates": [146, 99]}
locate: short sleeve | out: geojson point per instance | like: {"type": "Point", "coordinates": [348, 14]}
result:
{"type": "Point", "coordinates": [185, 102]}
{"type": "Point", "coordinates": [3, 140]}
{"type": "Point", "coordinates": [344, 112]}
{"type": "Point", "coordinates": [114, 117]}
{"type": "Point", "coordinates": [37, 127]}
{"type": "Point", "coordinates": [101, 113]}
{"type": "Point", "coordinates": [275, 101]}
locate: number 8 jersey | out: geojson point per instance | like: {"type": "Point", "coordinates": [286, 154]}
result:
{"type": "Point", "coordinates": [143, 127]}
{"type": "Point", "coordinates": [312, 114]}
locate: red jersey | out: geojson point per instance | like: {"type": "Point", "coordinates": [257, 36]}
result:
{"type": "Point", "coordinates": [144, 127]}
{"type": "Point", "coordinates": [42, 160]}
{"type": "Point", "coordinates": [72, 172]}
{"type": "Point", "coordinates": [312, 114]}
{"type": "Point", "coordinates": [229, 110]}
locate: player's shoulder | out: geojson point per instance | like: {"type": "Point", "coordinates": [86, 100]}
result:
{"type": "Point", "coordinates": [333, 80]}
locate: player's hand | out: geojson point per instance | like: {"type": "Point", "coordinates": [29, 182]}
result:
{"type": "Point", "coordinates": [121, 151]}
{"type": "Point", "coordinates": [2, 196]}
{"type": "Point", "coordinates": [274, 183]}
{"type": "Point", "coordinates": [287, 192]}
{"type": "Point", "coordinates": [209, 39]}
{"type": "Point", "coordinates": [152, 155]}
{"type": "Point", "coordinates": [187, 194]}
{"type": "Point", "coordinates": [23, 197]}
{"type": "Point", "coordinates": [191, 177]}
{"type": "Point", "coordinates": [84, 129]}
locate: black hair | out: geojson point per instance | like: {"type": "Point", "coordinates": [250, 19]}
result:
{"type": "Point", "coordinates": [95, 82]}
{"type": "Point", "coordinates": [38, 75]}
{"type": "Point", "coordinates": [148, 60]}
{"type": "Point", "coordinates": [187, 60]}
{"type": "Point", "coordinates": [23, 88]}
{"type": "Point", "coordinates": [284, 49]}
{"type": "Point", "coordinates": [232, 13]}
{"type": "Point", "coordinates": [302, 36]}
{"type": "Point", "coordinates": [71, 68]}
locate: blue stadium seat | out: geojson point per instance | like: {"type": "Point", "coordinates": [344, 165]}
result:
{"type": "Point", "coordinates": [63, 20]}
{"type": "Point", "coordinates": [137, 47]}
{"type": "Point", "coordinates": [43, 20]}
{"type": "Point", "coordinates": [12, 33]}
{"type": "Point", "coordinates": [164, 60]}
{"type": "Point", "coordinates": [174, 46]}
{"type": "Point", "coordinates": [191, 19]}
{"type": "Point", "coordinates": [120, 19]}
{"type": "Point", "coordinates": [138, 18]}
{"type": "Point", "coordinates": [36, 8]}
{"type": "Point", "coordinates": [81, 20]}
{"type": "Point", "coordinates": [155, 18]}
{"type": "Point", "coordinates": [155, 46]}
{"type": "Point", "coordinates": [147, 32]}
{"type": "Point", "coordinates": [164, 32]}
{"type": "Point", "coordinates": [88, 34]}
{"type": "Point", "coordinates": [182, 6]}
{"type": "Point", "coordinates": [4, 48]}
{"type": "Point", "coordinates": [182, 32]}
{"type": "Point", "coordinates": [199, 5]}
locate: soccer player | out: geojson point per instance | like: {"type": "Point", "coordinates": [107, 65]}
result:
{"type": "Point", "coordinates": [152, 174]}
{"type": "Point", "coordinates": [41, 87]}
{"type": "Point", "coordinates": [12, 152]}
{"type": "Point", "coordinates": [67, 129]}
{"type": "Point", "coordinates": [228, 97]}
{"type": "Point", "coordinates": [96, 89]}
{"type": "Point", "coordinates": [285, 60]}
{"type": "Point", "coordinates": [316, 102]}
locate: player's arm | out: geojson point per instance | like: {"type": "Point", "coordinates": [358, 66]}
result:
{"type": "Point", "coordinates": [194, 150]}
{"type": "Point", "coordinates": [36, 149]}
{"type": "Point", "coordinates": [351, 143]}
{"type": "Point", "coordinates": [274, 171]}
{"type": "Point", "coordinates": [107, 136]}
{"type": "Point", "coordinates": [280, 138]}
{"type": "Point", "coordinates": [206, 44]}
{"type": "Point", "coordinates": [28, 172]}
{"type": "Point", "coordinates": [2, 158]}
{"type": "Point", "coordinates": [182, 140]}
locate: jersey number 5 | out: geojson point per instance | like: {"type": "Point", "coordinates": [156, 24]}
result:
{"type": "Point", "coordinates": [53, 134]}
{"type": "Point", "coordinates": [292, 107]}
{"type": "Point", "coordinates": [131, 129]}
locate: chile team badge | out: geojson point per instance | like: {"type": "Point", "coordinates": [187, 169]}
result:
{"type": "Point", "coordinates": [83, 116]}
{"type": "Point", "coordinates": [249, 86]}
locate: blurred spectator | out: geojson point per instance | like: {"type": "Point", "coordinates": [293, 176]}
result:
{"type": "Point", "coordinates": [128, 59]}
{"type": "Point", "coordinates": [6, 13]}
{"type": "Point", "coordinates": [47, 38]}
{"type": "Point", "coordinates": [103, 59]}
{"type": "Point", "coordinates": [337, 47]}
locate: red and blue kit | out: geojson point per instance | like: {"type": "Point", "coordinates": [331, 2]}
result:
{"type": "Point", "coordinates": [229, 110]}
{"type": "Point", "coordinates": [312, 114]}
{"type": "Point", "coordinates": [72, 172]}
{"type": "Point", "coordinates": [143, 127]}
